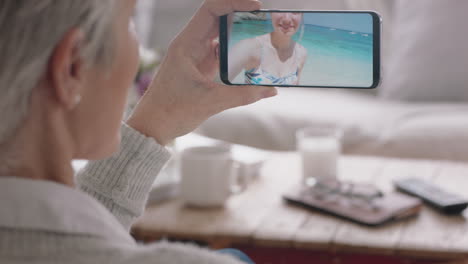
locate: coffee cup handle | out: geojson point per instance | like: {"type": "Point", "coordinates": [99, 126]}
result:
{"type": "Point", "coordinates": [237, 184]}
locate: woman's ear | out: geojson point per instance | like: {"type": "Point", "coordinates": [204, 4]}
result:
{"type": "Point", "coordinates": [67, 70]}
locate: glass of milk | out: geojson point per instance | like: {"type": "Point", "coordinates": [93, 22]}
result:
{"type": "Point", "coordinates": [320, 149]}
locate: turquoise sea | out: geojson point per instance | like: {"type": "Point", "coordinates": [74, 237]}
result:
{"type": "Point", "coordinates": [336, 57]}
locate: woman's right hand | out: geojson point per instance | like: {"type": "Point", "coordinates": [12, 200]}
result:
{"type": "Point", "coordinates": [183, 93]}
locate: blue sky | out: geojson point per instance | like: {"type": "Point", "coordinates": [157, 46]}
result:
{"type": "Point", "coordinates": [347, 21]}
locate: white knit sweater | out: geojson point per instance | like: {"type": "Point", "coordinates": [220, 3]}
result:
{"type": "Point", "coordinates": [45, 222]}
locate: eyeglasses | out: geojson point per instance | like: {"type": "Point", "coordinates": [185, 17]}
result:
{"type": "Point", "coordinates": [355, 194]}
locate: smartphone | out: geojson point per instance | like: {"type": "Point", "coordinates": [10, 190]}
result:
{"type": "Point", "coordinates": [298, 48]}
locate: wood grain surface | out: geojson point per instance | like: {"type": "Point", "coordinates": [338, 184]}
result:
{"type": "Point", "coordinates": [259, 217]}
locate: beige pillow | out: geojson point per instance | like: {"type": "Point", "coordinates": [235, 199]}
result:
{"type": "Point", "coordinates": [429, 131]}
{"type": "Point", "coordinates": [429, 55]}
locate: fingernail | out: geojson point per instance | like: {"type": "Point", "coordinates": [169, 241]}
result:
{"type": "Point", "coordinates": [257, 2]}
{"type": "Point", "coordinates": [217, 52]}
{"type": "Point", "coordinates": [270, 92]}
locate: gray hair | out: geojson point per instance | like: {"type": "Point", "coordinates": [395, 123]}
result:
{"type": "Point", "coordinates": [30, 30]}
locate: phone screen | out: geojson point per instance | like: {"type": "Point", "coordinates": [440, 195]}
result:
{"type": "Point", "coordinates": [301, 48]}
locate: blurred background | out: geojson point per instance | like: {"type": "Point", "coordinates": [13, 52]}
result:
{"type": "Point", "coordinates": [420, 110]}
{"type": "Point", "coordinates": [160, 20]}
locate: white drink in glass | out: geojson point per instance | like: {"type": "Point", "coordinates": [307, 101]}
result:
{"type": "Point", "coordinates": [320, 149]}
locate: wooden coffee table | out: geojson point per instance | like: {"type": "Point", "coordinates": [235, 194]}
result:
{"type": "Point", "coordinates": [260, 219]}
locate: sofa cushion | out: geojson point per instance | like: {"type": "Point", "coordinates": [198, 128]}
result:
{"type": "Point", "coordinates": [437, 131]}
{"type": "Point", "coordinates": [428, 131]}
{"type": "Point", "coordinates": [371, 126]}
{"type": "Point", "coordinates": [272, 123]}
{"type": "Point", "coordinates": [429, 59]}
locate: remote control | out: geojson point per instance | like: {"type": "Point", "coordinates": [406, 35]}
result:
{"type": "Point", "coordinates": [442, 200]}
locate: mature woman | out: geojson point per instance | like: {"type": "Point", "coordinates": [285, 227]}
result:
{"type": "Point", "coordinates": [274, 58]}
{"type": "Point", "coordinates": [66, 69]}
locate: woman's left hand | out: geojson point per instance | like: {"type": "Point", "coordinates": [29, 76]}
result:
{"type": "Point", "coordinates": [183, 93]}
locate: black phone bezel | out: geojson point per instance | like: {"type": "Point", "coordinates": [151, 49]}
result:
{"type": "Point", "coordinates": [377, 27]}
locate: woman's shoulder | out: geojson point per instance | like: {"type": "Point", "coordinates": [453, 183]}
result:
{"type": "Point", "coordinates": [251, 43]}
{"type": "Point", "coordinates": [258, 41]}
{"type": "Point", "coordinates": [301, 49]}
{"type": "Point", "coordinates": [264, 37]}
{"type": "Point", "coordinates": [250, 46]}
{"type": "Point", "coordinates": [301, 53]}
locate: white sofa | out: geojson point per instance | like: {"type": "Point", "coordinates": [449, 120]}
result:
{"type": "Point", "coordinates": [420, 111]}
{"type": "Point", "coordinates": [372, 126]}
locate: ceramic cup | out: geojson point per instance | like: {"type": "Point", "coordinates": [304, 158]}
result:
{"type": "Point", "coordinates": [209, 176]}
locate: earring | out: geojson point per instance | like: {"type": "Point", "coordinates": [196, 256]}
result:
{"type": "Point", "coordinates": [77, 99]}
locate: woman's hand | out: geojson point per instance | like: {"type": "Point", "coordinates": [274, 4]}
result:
{"type": "Point", "coordinates": [183, 93]}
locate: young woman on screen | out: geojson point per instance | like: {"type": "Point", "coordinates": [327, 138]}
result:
{"type": "Point", "coordinates": [274, 58]}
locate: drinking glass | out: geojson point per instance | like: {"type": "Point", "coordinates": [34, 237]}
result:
{"type": "Point", "coordinates": [320, 149]}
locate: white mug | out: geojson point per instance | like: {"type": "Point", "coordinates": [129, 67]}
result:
{"type": "Point", "coordinates": [209, 175]}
